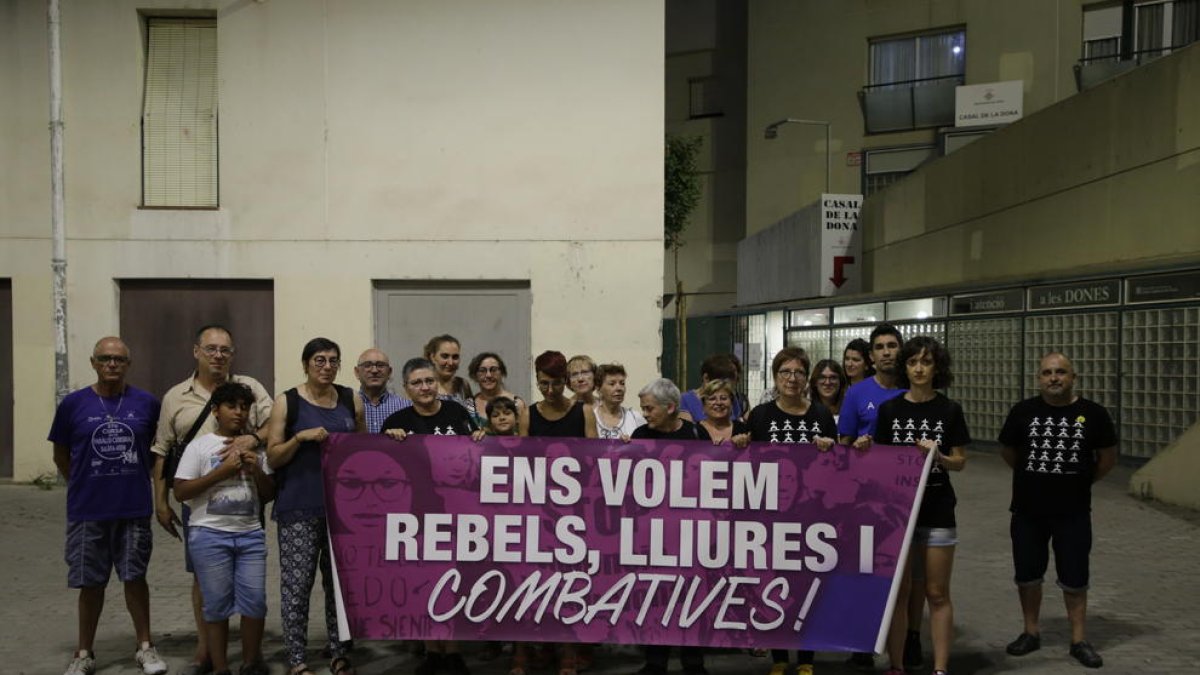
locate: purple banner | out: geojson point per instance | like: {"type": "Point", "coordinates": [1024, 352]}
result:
{"type": "Point", "coordinates": [647, 542]}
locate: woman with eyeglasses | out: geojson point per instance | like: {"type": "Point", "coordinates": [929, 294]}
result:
{"type": "Point", "coordinates": [715, 367]}
{"type": "Point", "coordinates": [488, 370]}
{"type": "Point", "coordinates": [718, 397]}
{"type": "Point", "coordinates": [581, 379]}
{"type": "Point", "coordinates": [554, 416]}
{"type": "Point", "coordinates": [302, 418]}
{"type": "Point", "coordinates": [828, 385]}
{"type": "Point", "coordinates": [788, 419]}
{"type": "Point", "coordinates": [430, 414]}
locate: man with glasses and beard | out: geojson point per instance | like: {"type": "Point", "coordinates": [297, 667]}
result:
{"type": "Point", "coordinates": [181, 407]}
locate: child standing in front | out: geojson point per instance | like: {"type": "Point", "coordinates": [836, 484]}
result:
{"type": "Point", "coordinates": [225, 491]}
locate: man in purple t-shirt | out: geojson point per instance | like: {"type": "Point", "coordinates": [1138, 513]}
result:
{"type": "Point", "coordinates": [856, 426]}
{"type": "Point", "coordinates": [101, 436]}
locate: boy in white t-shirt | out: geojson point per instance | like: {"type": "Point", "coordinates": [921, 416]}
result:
{"type": "Point", "coordinates": [225, 535]}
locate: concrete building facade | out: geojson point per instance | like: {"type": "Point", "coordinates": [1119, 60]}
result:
{"type": "Point", "coordinates": [365, 148]}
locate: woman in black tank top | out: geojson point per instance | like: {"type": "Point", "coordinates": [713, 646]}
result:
{"type": "Point", "coordinates": [556, 415]}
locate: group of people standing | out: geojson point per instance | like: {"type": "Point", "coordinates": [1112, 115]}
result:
{"type": "Point", "coordinates": [226, 447]}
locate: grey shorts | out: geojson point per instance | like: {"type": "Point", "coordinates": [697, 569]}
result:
{"type": "Point", "coordinates": [95, 547]}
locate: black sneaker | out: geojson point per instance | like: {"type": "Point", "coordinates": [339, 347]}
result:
{"type": "Point", "coordinates": [862, 661]}
{"type": "Point", "coordinates": [432, 665]}
{"type": "Point", "coordinates": [913, 658]}
{"type": "Point", "coordinates": [1085, 654]}
{"type": "Point", "coordinates": [1024, 644]}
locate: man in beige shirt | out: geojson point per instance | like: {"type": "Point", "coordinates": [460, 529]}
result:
{"type": "Point", "coordinates": [181, 405]}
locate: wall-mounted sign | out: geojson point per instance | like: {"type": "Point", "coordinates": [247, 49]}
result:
{"type": "Point", "coordinates": [854, 158]}
{"type": "Point", "coordinates": [1163, 287]}
{"type": "Point", "coordinates": [1099, 293]}
{"type": "Point", "coordinates": [988, 104]}
{"type": "Point", "coordinates": [841, 244]}
{"type": "Point", "coordinates": [1011, 300]}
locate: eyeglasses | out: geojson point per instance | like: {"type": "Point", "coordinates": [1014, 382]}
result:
{"type": "Point", "coordinates": [792, 374]}
{"type": "Point", "coordinates": [580, 374]}
{"type": "Point", "coordinates": [827, 378]}
{"type": "Point", "coordinates": [488, 370]}
{"type": "Point", "coordinates": [111, 358]}
{"type": "Point", "coordinates": [321, 361]}
{"type": "Point", "coordinates": [417, 384]}
{"type": "Point", "coordinates": [213, 350]}
{"type": "Point", "coordinates": [546, 384]}
{"type": "Point", "coordinates": [386, 489]}
{"type": "Point", "coordinates": [376, 365]}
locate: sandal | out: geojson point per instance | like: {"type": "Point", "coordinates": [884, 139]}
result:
{"type": "Point", "coordinates": [342, 666]}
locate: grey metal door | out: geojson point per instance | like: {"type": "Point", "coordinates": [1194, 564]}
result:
{"type": "Point", "coordinates": [484, 316]}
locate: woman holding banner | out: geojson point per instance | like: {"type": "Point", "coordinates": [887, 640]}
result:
{"type": "Point", "coordinates": [789, 419]}
{"type": "Point", "coordinates": [554, 416]}
{"type": "Point", "coordinates": [431, 414]}
{"type": "Point", "coordinates": [925, 418]}
{"type": "Point", "coordinates": [302, 418]}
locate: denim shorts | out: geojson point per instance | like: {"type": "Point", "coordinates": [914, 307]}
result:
{"type": "Point", "coordinates": [95, 547]}
{"type": "Point", "coordinates": [936, 536]}
{"type": "Point", "coordinates": [231, 568]}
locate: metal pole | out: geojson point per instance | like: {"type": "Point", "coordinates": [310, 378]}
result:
{"type": "Point", "coordinates": [58, 259]}
{"type": "Point", "coordinates": [828, 161]}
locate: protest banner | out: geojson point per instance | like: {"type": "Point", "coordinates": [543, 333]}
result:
{"type": "Point", "coordinates": [646, 542]}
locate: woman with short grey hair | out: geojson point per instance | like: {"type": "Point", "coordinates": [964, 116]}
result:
{"type": "Point", "coordinates": [660, 405]}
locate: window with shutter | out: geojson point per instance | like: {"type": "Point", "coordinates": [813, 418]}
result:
{"type": "Point", "coordinates": [179, 114]}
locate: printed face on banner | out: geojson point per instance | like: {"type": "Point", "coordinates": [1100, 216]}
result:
{"type": "Point", "coordinates": [659, 542]}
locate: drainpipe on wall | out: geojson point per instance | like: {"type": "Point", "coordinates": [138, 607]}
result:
{"type": "Point", "coordinates": [58, 256]}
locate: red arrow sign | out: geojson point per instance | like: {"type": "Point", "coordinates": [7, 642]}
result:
{"type": "Point", "coordinates": [839, 264]}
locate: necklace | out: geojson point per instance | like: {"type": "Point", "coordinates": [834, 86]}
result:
{"type": "Point", "coordinates": [110, 416]}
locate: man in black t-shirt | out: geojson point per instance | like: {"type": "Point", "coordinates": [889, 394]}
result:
{"type": "Point", "coordinates": [1057, 444]}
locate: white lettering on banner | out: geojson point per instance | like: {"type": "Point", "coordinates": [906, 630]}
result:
{"type": "Point", "coordinates": [722, 484]}
{"type": "Point", "coordinates": [564, 597]}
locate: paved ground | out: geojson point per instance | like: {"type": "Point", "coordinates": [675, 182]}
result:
{"type": "Point", "coordinates": [1144, 616]}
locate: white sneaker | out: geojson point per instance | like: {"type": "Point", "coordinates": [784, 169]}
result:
{"type": "Point", "coordinates": [84, 663]}
{"type": "Point", "coordinates": [148, 658]}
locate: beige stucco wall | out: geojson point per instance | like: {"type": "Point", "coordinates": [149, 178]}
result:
{"type": "Point", "coordinates": [359, 141]}
{"type": "Point", "coordinates": [1103, 180]}
{"type": "Point", "coordinates": [1171, 475]}
{"type": "Point", "coordinates": [808, 60]}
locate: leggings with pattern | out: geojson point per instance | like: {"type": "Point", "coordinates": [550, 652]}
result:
{"type": "Point", "coordinates": [303, 547]}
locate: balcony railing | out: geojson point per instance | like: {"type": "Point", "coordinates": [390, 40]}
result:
{"type": "Point", "coordinates": [1090, 72]}
{"type": "Point", "coordinates": [912, 104]}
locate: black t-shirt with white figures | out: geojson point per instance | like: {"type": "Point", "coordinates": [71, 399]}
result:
{"type": "Point", "coordinates": [1055, 454]}
{"type": "Point", "coordinates": [769, 424]}
{"type": "Point", "coordinates": [450, 420]}
{"type": "Point", "coordinates": [902, 422]}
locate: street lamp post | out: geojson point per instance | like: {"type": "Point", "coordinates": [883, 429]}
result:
{"type": "Point", "coordinates": [772, 132]}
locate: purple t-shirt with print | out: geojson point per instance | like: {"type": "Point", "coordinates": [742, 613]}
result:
{"type": "Point", "coordinates": [109, 439]}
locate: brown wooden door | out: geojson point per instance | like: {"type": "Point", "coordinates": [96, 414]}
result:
{"type": "Point", "coordinates": [159, 319]}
